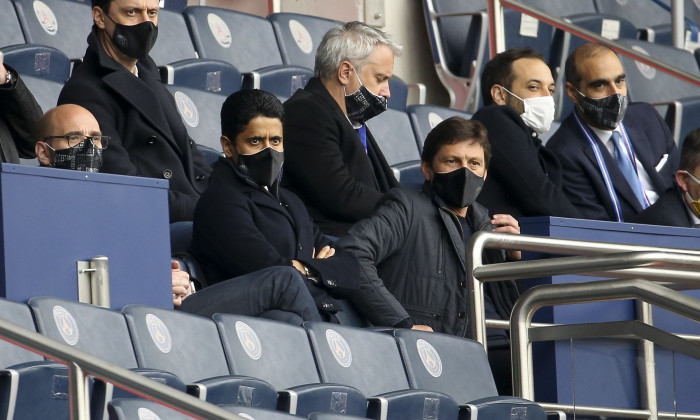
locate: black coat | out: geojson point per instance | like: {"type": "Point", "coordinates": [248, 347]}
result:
{"type": "Point", "coordinates": [326, 164]}
{"type": "Point", "coordinates": [139, 114]}
{"type": "Point", "coordinates": [413, 263]}
{"type": "Point", "coordinates": [524, 179]}
{"type": "Point", "coordinates": [240, 228]}
{"type": "Point", "coordinates": [669, 210]}
{"type": "Point", "coordinates": [19, 116]}
{"type": "Point", "coordinates": [583, 182]}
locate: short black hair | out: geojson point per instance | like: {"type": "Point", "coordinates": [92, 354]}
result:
{"type": "Point", "coordinates": [499, 70]}
{"type": "Point", "coordinates": [102, 4]}
{"type": "Point", "coordinates": [454, 130]}
{"type": "Point", "coordinates": [571, 72]}
{"type": "Point", "coordinates": [243, 106]}
{"type": "Point", "coordinates": [690, 151]}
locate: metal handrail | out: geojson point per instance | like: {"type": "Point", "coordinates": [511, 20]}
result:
{"type": "Point", "coordinates": [477, 272]}
{"type": "Point", "coordinates": [560, 294]}
{"type": "Point", "coordinates": [81, 365]}
{"type": "Point", "coordinates": [497, 36]}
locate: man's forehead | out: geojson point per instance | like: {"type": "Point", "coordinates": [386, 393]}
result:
{"type": "Point", "coordinates": [136, 4]}
{"type": "Point", "coordinates": [531, 68]}
{"type": "Point", "coordinates": [596, 65]}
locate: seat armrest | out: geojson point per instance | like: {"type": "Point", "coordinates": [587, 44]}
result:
{"type": "Point", "coordinates": [303, 400]}
{"type": "Point", "coordinates": [235, 390]}
{"type": "Point", "coordinates": [502, 407]}
{"type": "Point", "coordinates": [399, 405]}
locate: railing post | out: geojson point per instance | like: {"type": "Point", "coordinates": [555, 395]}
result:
{"type": "Point", "coordinates": [648, 376]}
{"type": "Point", "coordinates": [79, 396]}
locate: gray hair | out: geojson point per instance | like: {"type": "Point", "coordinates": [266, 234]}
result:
{"type": "Point", "coordinates": [354, 42]}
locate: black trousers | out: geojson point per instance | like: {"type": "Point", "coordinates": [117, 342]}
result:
{"type": "Point", "coordinates": [278, 293]}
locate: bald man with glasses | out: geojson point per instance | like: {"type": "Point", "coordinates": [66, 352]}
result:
{"type": "Point", "coordinates": [70, 138]}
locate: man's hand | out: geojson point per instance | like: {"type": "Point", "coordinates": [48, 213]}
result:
{"type": "Point", "coordinates": [325, 252]}
{"type": "Point", "coordinates": [505, 223]}
{"type": "Point", "coordinates": [3, 72]}
{"type": "Point", "coordinates": [181, 284]}
{"type": "Point", "coordinates": [422, 328]}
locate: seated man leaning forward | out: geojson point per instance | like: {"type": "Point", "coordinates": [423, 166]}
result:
{"type": "Point", "coordinates": [412, 249]}
{"type": "Point", "coordinates": [245, 222]}
{"type": "Point", "coordinates": [70, 138]}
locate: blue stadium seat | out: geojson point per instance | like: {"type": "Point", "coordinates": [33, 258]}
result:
{"type": "Point", "coordinates": [425, 117]}
{"type": "Point", "coordinates": [326, 416]}
{"type": "Point", "coordinates": [393, 132]}
{"type": "Point", "coordinates": [10, 31]}
{"type": "Point", "coordinates": [646, 84]}
{"type": "Point", "coordinates": [354, 356]}
{"type": "Point", "coordinates": [246, 41]}
{"type": "Point", "coordinates": [43, 69]}
{"type": "Point", "coordinates": [200, 111]}
{"type": "Point", "coordinates": [441, 362]}
{"type": "Point", "coordinates": [280, 354]}
{"type": "Point", "coordinates": [189, 346]}
{"type": "Point", "coordinates": [258, 413]}
{"type": "Point", "coordinates": [29, 386]}
{"type": "Point", "coordinates": [457, 33]}
{"type": "Point", "coordinates": [97, 331]}
{"type": "Point", "coordinates": [298, 36]}
{"type": "Point", "coordinates": [174, 42]}
{"type": "Point", "coordinates": [282, 81]}
{"type": "Point", "coordinates": [138, 408]}
{"type": "Point", "coordinates": [61, 24]}
{"type": "Point", "coordinates": [208, 75]}
{"type": "Point", "coordinates": [563, 8]}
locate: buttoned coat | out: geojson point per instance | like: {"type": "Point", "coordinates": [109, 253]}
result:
{"type": "Point", "coordinates": [149, 138]}
{"type": "Point", "coordinates": [240, 228]}
{"type": "Point", "coordinates": [524, 179]}
{"type": "Point", "coordinates": [669, 210]}
{"type": "Point", "coordinates": [583, 181]}
{"type": "Point", "coordinates": [326, 164]}
{"type": "Point", "coordinates": [19, 116]}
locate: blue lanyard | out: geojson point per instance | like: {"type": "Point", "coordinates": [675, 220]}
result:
{"type": "Point", "coordinates": [603, 168]}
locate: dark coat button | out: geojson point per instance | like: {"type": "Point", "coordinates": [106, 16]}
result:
{"type": "Point", "coordinates": [152, 139]}
{"type": "Point", "coordinates": [461, 315]}
{"type": "Point", "coordinates": [200, 177]}
{"type": "Point", "coordinates": [300, 247]}
{"type": "Point", "coordinates": [462, 284]}
{"type": "Point", "coordinates": [167, 174]}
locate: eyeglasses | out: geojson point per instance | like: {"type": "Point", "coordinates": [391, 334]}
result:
{"type": "Point", "coordinates": [78, 140]}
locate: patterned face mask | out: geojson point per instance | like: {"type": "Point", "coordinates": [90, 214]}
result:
{"type": "Point", "coordinates": [363, 104]}
{"type": "Point", "coordinates": [605, 113]}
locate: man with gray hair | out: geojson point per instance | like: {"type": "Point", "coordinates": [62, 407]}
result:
{"type": "Point", "coordinates": [331, 159]}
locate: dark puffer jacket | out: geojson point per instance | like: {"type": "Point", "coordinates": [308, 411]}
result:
{"type": "Point", "coordinates": [412, 256]}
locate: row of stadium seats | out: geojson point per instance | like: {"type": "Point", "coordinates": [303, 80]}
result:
{"type": "Point", "coordinates": [459, 40]}
{"type": "Point", "coordinates": [253, 362]}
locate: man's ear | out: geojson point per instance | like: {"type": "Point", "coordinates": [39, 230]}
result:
{"type": "Point", "coordinates": [571, 92]}
{"type": "Point", "coordinates": [227, 146]}
{"type": "Point", "coordinates": [681, 179]}
{"type": "Point", "coordinates": [426, 170]}
{"type": "Point", "coordinates": [98, 17]}
{"type": "Point", "coordinates": [43, 153]}
{"type": "Point", "coordinates": [498, 94]}
{"type": "Point", "coordinates": [344, 73]}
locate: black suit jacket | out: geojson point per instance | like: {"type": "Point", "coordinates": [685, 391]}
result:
{"type": "Point", "coordinates": [139, 114]}
{"type": "Point", "coordinates": [19, 116]}
{"type": "Point", "coordinates": [669, 210]}
{"type": "Point", "coordinates": [524, 179]}
{"type": "Point", "coordinates": [240, 228]}
{"type": "Point", "coordinates": [583, 181]}
{"type": "Point", "coordinates": [326, 164]}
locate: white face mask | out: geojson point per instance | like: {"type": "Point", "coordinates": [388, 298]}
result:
{"type": "Point", "coordinates": [539, 112]}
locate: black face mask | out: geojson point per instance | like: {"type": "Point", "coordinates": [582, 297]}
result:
{"type": "Point", "coordinates": [135, 41]}
{"type": "Point", "coordinates": [83, 157]}
{"type": "Point", "coordinates": [363, 104]}
{"type": "Point", "coordinates": [605, 113]}
{"type": "Point", "coordinates": [264, 166]}
{"type": "Point", "coordinates": [457, 188]}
